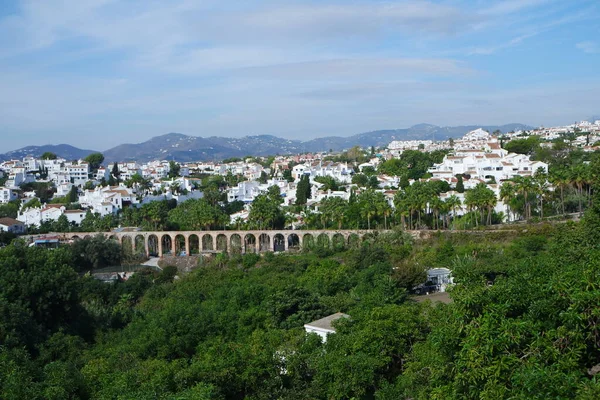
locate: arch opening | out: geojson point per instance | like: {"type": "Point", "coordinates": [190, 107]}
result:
{"type": "Point", "coordinates": [235, 244]}
{"type": "Point", "coordinates": [278, 242]}
{"type": "Point", "coordinates": [264, 242]}
{"type": "Point", "coordinates": [293, 242]}
{"type": "Point", "coordinates": [250, 243]}
{"type": "Point", "coordinates": [167, 244]}
{"type": "Point", "coordinates": [222, 243]}
{"type": "Point", "coordinates": [207, 242]}
{"type": "Point", "coordinates": [194, 244]}
{"type": "Point", "coordinates": [153, 245]}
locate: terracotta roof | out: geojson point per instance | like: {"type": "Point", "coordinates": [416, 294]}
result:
{"type": "Point", "coordinates": [6, 221]}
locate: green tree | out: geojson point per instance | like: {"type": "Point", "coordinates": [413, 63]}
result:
{"type": "Point", "coordinates": [115, 174]}
{"type": "Point", "coordinates": [61, 224]}
{"type": "Point", "coordinates": [303, 190]}
{"type": "Point", "coordinates": [334, 210]}
{"type": "Point", "coordinates": [460, 186]}
{"type": "Point", "coordinates": [96, 252]}
{"type": "Point", "coordinates": [48, 155]}
{"type": "Point", "coordinates": [197, 215]}
{"type": "Point", "coordinates": [73, 196]}
{"type": "Point", "coordinates": [94, 160]}
{"type": "Point", "coordinates": [174, 169]}
{"type": "Point", "coordinates": [266, 212]}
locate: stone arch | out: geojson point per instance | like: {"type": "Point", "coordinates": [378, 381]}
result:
{"type": "Point", "coordinates": [293, 242]}
{"type": "Point", "coordinates": [235, 244]}
{"type": "Point", "coordinates": [180, 245]}
{"type": "Point", "coordinates": [249, 243]}
{"type": "Point", "coordinates": [221, 244]}
{"type": "Point", "coordinates": [113, 237]}
{"type": "Point", "coordinates": [194, 244]}
{"type": "Point", "coordinates": [167, 244]}
{"type": "Point", "coordinates": [308, 241]}
{"type": "Point", "coordinates": [86, 237]}
{"type": "Point", "coordinates": [139, 244]}
{"type": "Point", "coordinates": [323, 240]}
{"type": "Point", "coordinates": [264, 242]}
{"type": "Point", "coordinates": [207, 242]}
{"type": "Point", "coordinates": [353, 240]}
{"type": "Point", "coordinates": [153, 245]}
{"type": "Point", "coordinates": [278, 242]}
{"type": "Point", "coordinates": [127, 245]}
{"type": "Point", "coordinates": [75, 237]}
{"type": "Point", "coordinates": [338, 241]}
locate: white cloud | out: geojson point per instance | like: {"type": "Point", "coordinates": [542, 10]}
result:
{"type": "Point", "coordinates": [588, 47]}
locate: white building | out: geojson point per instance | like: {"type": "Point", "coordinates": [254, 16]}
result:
{"type": "Point", "coordinates": [7, 194]}
{"type": "Point", "coordinates": [37, 215]}
{"type": "Point", "coordinates": [339, 171]}
{"type": "Point", "coordinates": [107, 200]}
{"type": "Point", "coordinates": [78, 173]}
{"type": "Point", "coordinates": [323, 326]}
{"type": "Point", "coordinates": [18, 176]}
{"type": "Point", "coordinates": [12, 225]}
{"type": "Point", "coordinates": [248, 190]}
{"type": "Point", "coordinates": [486, 165]}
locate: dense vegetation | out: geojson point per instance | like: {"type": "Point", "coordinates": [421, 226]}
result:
{"type": "Point", "coordinates": [523, 322]}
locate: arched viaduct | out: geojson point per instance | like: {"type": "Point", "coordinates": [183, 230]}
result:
{"type": "Point", "coordinates": [161, 243]}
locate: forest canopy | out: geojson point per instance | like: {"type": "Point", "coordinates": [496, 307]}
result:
{"type": "Point", "coordinates": [522, 323]}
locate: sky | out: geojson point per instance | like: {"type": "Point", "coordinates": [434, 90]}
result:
{"type": "Point", "coordinates": [98, 73]}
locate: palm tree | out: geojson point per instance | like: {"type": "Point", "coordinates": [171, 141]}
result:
{"type": "Point", "coordinates": [368, 205]}
{"type": "Point", "coordinates": [453, 203]}
{"type": "Point", "coordinates": [436, 205]}
{"type": "Point", "coordinates": [540, 179]}
{"type": "Point", "coordinates": [560, 179]}
{"type": "Point", "coordinates": [507, 193]}
{"type": "Point", "coordinates": [526, 187]}
{"type": "Point", "coordinates": [471, 201]}
{"type": "Point", "coordinates": [578, 179]}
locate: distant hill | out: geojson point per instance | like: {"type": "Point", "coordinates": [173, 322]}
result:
{"type": "Point", "coordinates": [65, 151]}
{"type": "Point", "coordinates": [184, 148]}
{"type": "Point", "coordinates": [180, 147]}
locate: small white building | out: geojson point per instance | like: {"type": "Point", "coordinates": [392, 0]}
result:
{"type": "Point", "coordinates": [12, 225]}
{"type": "Point", "coordinates": [7, 194]}
{"type": "Point", "coordinates": [440, 277]}
{"type": "Point", "coordinates": [323, 326]}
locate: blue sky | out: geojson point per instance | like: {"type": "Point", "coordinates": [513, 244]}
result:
{"type": "Point", "coordinates": [97, 73]}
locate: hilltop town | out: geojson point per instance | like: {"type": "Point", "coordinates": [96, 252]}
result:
{"type": "Point", "coordinates": [432, 182]}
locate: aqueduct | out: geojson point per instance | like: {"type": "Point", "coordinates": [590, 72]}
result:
{"type": "Point", "coordinates": [254, 241]}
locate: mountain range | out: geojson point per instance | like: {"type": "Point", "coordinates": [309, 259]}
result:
{"type": "Point", "coordinates": [184, 148]}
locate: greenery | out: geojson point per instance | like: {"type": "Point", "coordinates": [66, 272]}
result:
{"type": "Point", "coordinates": [94, 160]}
{"type": "Point", "coordinates": [522, 322]}
{"type": "Point", "coordinates": [303, 191]}
{"type": "Point", "coordinates": [174, 169]}
{"type": "Point", "coordinates": [411, 163]}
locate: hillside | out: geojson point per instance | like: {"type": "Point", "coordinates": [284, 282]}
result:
{"type": "Point", "coordinates": [65, 151]}
{"type": "Point", "coordinates": [185, 148]}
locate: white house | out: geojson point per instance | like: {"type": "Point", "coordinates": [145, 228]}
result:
{"type": "Point", "coordinates": [486, 165]}
{"type": "Point", "coordinates": [36, 215]}
{"type": "Point", "coordinates": [75, 216]}
{"type": "Point", "coordinates": [340, 171]}
{"type": "Point", "coordinates": [107, 200]}
{"type": "Point", "coordinates": [12, 225]}
{"type": "Point", "coordinates": [323, 326]}
{"type": "Point", "coordinates": [7, 194]}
